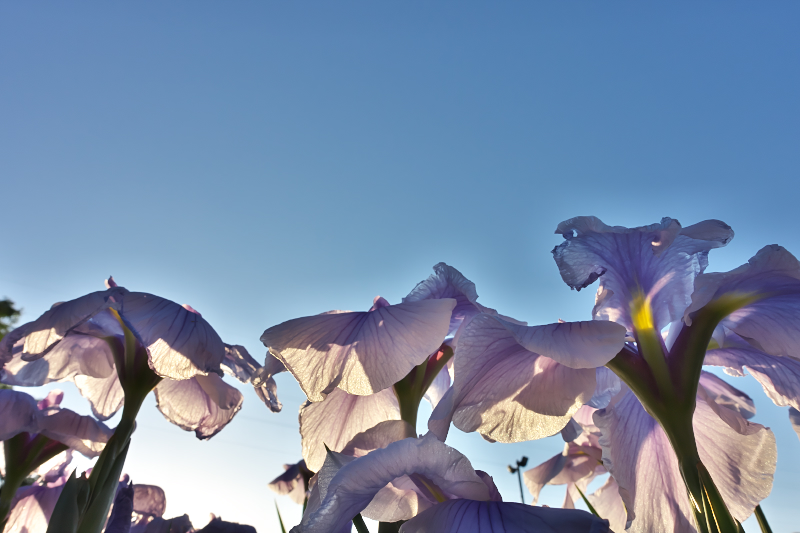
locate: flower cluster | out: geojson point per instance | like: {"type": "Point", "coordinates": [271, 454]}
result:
{"type": "Point", "coordinates": [626, 390]}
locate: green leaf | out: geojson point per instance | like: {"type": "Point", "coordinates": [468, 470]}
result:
{"type": "Point", "coordinates": [280, 520]}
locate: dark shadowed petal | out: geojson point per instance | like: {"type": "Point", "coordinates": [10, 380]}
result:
{"type": "Point", "coordinates": [638, 454]}
{"type": "Point", "coordinates": [509, 393]}
{"type": "Point", "coordinates": [435, 464]}
{"type": "Point", "coordinates": [203, 404]}
{"type": "Point", "coordinates": [772, 321]}
{"type": "Point", "coordinates": [468, 516]}
{"type": "Point", "coordinates": [217, 525]}
{"type": "Point", "coordinates": [181, 344]}
{"type": "Point", "coordinates": [779, 376]}
{"type": "Point", "coordinates": [18, 413]}
{"type": "Point", "coordinates": [121, 512]}
{"type": "Point", "coordinates": [660, 260]}
{"type": "Point", "coordinates": [361, 353]}
{"type": "Point", "coordinates": [339, 418]}
{"type": "Point", "coordinates": [447, 282]}
{"type": "Point", "coordinates": [47, 330]}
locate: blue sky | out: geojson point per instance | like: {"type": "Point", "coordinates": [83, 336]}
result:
{"type": "Point", "coordinates": [267, 160]}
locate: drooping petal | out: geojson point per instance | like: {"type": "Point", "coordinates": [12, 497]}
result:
{"type": "Point", "coordinates": [74, 355]}
{"type": "Point", "coordinates": [105, 395]}
{"type": "Point", "coordinates": [727, 396]}
{"type": "Point", "coordinates": [18, 413]}
{"type": "Point", "coordinates": [660, 260]}
{"type": "Point", "coordinates": [537, 477]}
{"type": "Point", "coordinates": [81, 433]}
{"type": "Point", "coordinates": [33, 506]}
{"type": "Point", "coordinates": [779, 376]}
{"type": "Point", "coordinates": [180, 343]}
{"type": "Point", "coordinates": [609, 505]}
{"type": "Point", "coordinates": [447, 282]}
{"type": "Point", "coordinates": [50, 328]}
{"type": "Point", "coordinates": [771, 322]}
{"type": "Point", "coordinates": [291, 482]}
{"type": "Point", "coordinates": [437, 466]}
{"type": "Point", "coordinates": [340, 417]}
{"type": "Point", "coordinates": [379, 436]}
{"type": "Point", "coordinates": [203, 404]}
{"type": "Point", "coordinates": [573, 344]}
{"type": "Point", "coordinates": [794, 419]}
{"type": "Point", "coordinates": [240, 364]}
{"type": "Point", "coordinates": [640, 457]}
{"type": "Point", "coordinates": [468, 516]}
{"type": "Point", "coordinates": [361, 353]}
{"type": "Point", "coordinates": [509, 393]}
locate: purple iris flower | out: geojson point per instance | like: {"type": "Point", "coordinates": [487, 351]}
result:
{"type": "Point", "coordinates": [73, 341]}
{"type": "Point", "coordinates": [448, 495]}
{"type": "Point", "coordinates": [652, 278]}
{"type": "Point", "coordinates": [33, 505]}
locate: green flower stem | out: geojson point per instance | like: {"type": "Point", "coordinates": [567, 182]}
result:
{"type": "Point", "coordinates": [10, 486]}
{"type": "Point", "coordinates": [358, 521]}
{"type": "Point", "coordinates": [411, 389]}
{"type": "Point", "coordinates": [762, 520]}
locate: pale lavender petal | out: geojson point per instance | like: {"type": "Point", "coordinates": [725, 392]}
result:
{"type": "Point", "coordinates": [660, 260]}
{"type": "Point", "coordinates": [638, 454]}
{"type": "Point", "coordinates": [33, 506]}
{"type": "Point", "coordinates": [447, 282]}
{"type": "Point", "coordinates": [509, 393]}
{"type": "Point", "coordinates": [379, 436]}
{"type": "Point", "coordinates": [203, 404]}
{"type": "Point", "coordinates": [468, 516]}
{"type": "Point", "coordinates": [440, 385]}
{"type": "Point", "coordinates": [339, 418]}
{"type": "Point", "coordinates": [770, 323]}
{"type": "Point", "coordinates": [181, 344]}
{"type": "Point", "coordinates": [18, 413]}
{"type": "Point", "coordinates": [53, 468]}
{"type": "Point", "coordinates": [537, 477]}
{"type": "Point", "coordinates": [608, 386]}
{"type": "Point", "coordinates": [727, 396]}
{"type": "Point", "coordinates": [356, 483]}
{"type": "Point", "coordinates": [609, 505]}
{"type": "Point", "coordinates": [574, 344]}
{"type": "Point", "coordinates": [291, 482]}
{"type": "Point", "coordinates": [50, 328]}
{"type": "Point", "coordinates": [361, 353]}
{"type": "Point", "coordinates": [794, 419]}
{"type": "Point", "coordinates": [81, 433]}
{"type": "Point", "coordinates": [239, 363]}
{"type": "Point", "coordinates": [74, 355]}
{"type": "Point", "coordinates": [104, 394]}
{"type": "Point", "coordinates": [779, 376]}
{"type": "Point", "coordinates": [442, 415]}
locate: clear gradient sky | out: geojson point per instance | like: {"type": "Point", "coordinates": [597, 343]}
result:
{"type": "Point", "coordinates": [265, 160]}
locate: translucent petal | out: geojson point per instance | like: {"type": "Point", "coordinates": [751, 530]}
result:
{"type": "Point", "coordinates": [361, 353]}
{"type": "Point", "coordinates": [660, 260]}
{"type": "Point", "coordinates": [340, 417]}
{"type": "Point", "coordinates": [203, 404]}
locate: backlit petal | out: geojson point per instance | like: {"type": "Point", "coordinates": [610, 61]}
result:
{"type": "Point", "coordinates": [660, 261]}
{"type": "Point", "coordinates": [203, 404]}
{"type": "Point", "coordinates": [339, 418]}
{"type": "Point", "coordinates": [361, 353]}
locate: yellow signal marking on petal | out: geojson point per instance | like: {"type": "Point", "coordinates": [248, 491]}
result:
{"type": "Point", "coordinates": [642, 312]}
